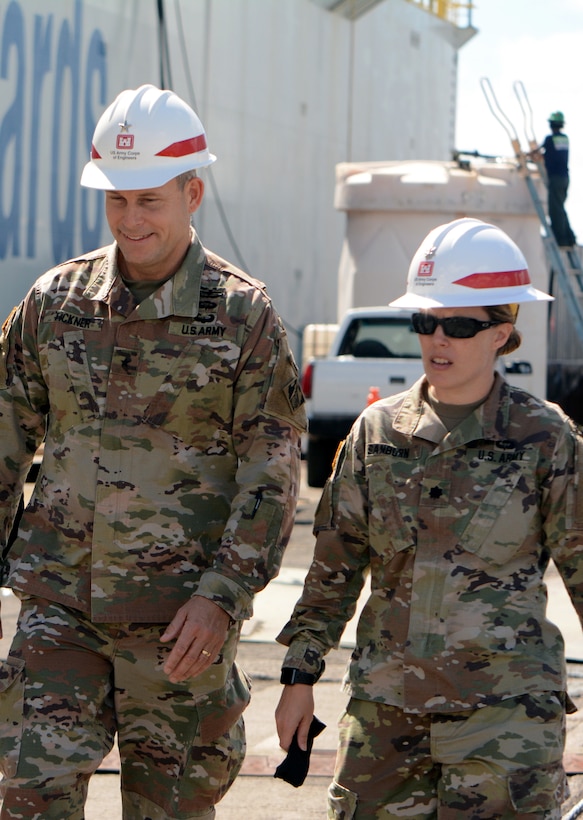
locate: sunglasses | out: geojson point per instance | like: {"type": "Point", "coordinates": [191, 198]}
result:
{"type": "Point", "coordinates": [457, 327]}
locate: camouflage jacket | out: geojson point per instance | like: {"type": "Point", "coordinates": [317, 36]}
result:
{"type": "Point", "coordinates": [171, 461]}
{"type": "Point", "coordinates": [456, 530]}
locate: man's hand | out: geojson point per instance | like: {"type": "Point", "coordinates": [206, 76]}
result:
{"type": "Point", "coordinates": [199, 628]}
{"type": "Point", "coordinates": [295, 710]}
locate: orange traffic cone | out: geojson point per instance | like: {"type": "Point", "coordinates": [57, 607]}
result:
{"type": "Point", "coordinates": [373, 395]}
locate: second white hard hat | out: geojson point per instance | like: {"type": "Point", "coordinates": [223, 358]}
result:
{"type": "Point", "coordinates": [145, 138]}
{"type": "Point", "coordinates": [468, 263]}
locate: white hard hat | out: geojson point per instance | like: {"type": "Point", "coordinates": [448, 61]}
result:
{"type": "Point", "coordinates": [145, 138]}
{"type": "Point", "coordinates": [468, 263]}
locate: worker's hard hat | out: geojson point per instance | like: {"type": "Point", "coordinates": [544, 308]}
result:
{"type": "Point", "coordinates": [557, 118]}
{"type": "Point", "coordinates": [468, 263]}
{"type": "Point", "coordinates": [145, 138]}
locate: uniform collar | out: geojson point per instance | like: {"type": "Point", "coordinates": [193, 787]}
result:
{"type": "Point", "coordinates": [179, 296]}
{"type": "Point", "coordinates": [488, 421]}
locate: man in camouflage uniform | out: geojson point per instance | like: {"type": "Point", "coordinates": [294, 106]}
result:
{"type": "Point", "coordinates": [164, 381]}
{"type": "Point", "coordinates": [454, 496]}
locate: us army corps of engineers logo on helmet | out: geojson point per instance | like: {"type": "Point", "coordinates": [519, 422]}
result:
{"type": "Point", "coordinates": [125, 140]}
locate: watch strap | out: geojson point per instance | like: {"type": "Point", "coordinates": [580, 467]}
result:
{"type": "Point", "coordinates": [290, 676]}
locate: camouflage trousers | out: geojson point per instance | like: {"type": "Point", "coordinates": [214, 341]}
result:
{"type": "Point", "coordinates": [500, 762]}
{"type": "Point", "coordinates": [69, 686]}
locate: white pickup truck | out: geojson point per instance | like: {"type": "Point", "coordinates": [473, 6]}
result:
{"type": "Point", "coordinates": [373, 347]}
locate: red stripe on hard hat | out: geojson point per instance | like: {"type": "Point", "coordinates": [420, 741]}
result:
{"type": "Point", "coordinates": [184, 147]}
{"type": "Point", "coordinates": [94, 152]}
{"type": "Point", "coordinates": [498, 279]}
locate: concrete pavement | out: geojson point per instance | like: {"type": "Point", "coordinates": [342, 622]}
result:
{"type": "Point", "coordinates": [256, 794]}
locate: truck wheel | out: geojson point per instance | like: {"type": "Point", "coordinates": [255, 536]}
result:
{"type": "Point", "coordinates": [320, 455]}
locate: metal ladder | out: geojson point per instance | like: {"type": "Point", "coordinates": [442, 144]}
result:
{"type": "Point", "coordinates": [563, 263]}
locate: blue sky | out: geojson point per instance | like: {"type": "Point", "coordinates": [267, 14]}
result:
{"type": "Point", "coordinates": [539, 43]}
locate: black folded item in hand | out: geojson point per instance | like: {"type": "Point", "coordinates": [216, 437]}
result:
{"type": "Point", "coordinates": [295, 766]}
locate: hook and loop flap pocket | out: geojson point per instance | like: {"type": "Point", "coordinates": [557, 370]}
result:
{"type": "Point", "coordinates": [11, 712]}
{"type": "Point", "coordinates": [497, 527]}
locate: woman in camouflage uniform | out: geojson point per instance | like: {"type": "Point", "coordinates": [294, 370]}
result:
{"type": "Point", "coordinates": [454, 496]}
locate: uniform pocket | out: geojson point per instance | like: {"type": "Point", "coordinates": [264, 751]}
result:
{"type": "Point", "coordinates": [539, 789]}
{"type": "Point", "coordinates": [11, 712]}
{"type": "Point", "coordinates": [259, 523]}
{"type": "Point", "coordinates": [69, 378]}
{"type": "Point", "coordinates": [341, 802]}
{"type": "Point", "coordinates": [191, 385]}
{"type": "Point", "coordinates": [389, 533]}
{"type": "Point", "coordinates": [218, 711]}
{"type": "Point", "coordinates": [505, 505]}
{"type": "Point", "coordinates": [217, 751]}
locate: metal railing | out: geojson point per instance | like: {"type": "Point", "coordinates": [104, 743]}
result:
{"type": "Point", "coordinates": [458, 13]}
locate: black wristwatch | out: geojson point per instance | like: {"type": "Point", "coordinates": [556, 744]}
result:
{"type": "Point", "coordinates": [290, 676]}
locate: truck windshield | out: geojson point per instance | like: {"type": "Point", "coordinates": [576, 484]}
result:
{"type": "Point", "coordinates": [379, 338]}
